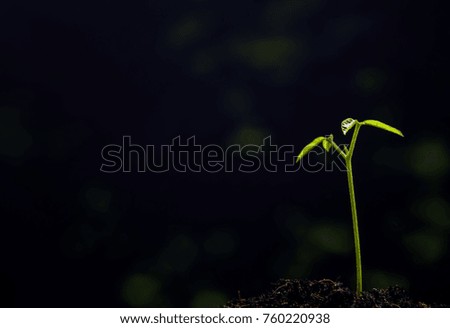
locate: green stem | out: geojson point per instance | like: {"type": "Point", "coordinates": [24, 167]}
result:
{"type": "Point", "coordinates": [351, 188]}
{"type": "Point", "coordinates": [339, 150]}
{"type": "Point", "coordinates": [355, 227]}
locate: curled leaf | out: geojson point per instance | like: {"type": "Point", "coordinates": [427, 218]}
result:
{"type": "Point", "coordinates": [383, 126]}
{"type": "Point", "coordinates": [347, 125]}
{"type": "Point", "coordinates": [310, 146]}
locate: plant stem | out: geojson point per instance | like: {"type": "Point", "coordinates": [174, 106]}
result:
{"type": "Point", "coordinates": [339, 150]}
{"type": "Point", "coordinates": [351, 188]}
{"type": "Point", "coordinates": [355, 227]}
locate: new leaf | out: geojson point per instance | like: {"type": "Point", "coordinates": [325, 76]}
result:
{"type": "Point", "coordinates": [347, 125]}
{"type": "Point", "coordinates": [383, 126]}
{"type": "Point", "coordinates": [310, 146]}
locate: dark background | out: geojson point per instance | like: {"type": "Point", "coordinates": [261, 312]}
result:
{"type": "Point", "coordinates": [76, 76]}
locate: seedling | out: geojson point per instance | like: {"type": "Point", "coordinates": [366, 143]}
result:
{"type": "Point", "coordinates": [347, 153]}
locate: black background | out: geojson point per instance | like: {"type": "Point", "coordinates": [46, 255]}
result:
{"type": "Point", "coordinates": [76, 76]}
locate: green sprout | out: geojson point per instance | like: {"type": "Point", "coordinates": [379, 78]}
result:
{"type": "Point", "coordinates": [347, 153]}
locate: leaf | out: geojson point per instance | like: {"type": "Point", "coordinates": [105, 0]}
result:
{"type": "Point", "coordinates": [326, 144]}
{"type": "Point", "coordinates": [310, 146]}
{"type": "Point", "coordinates": [383, 126]}
{"type": "Point", "coordinates": [347, 125]}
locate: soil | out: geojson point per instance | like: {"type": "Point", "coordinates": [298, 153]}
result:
{"type": "Point", "coordinates": [287, 293]}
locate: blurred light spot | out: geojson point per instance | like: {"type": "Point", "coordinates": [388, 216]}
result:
{"type": "Point", "coordinates": [426, 247]}
{"type": "Point", "coordinates": [429, 159]}
{"type": "Point", "coordinates": [220, 243]}
{"type": "Point", "coordinates": [275, 52]}
{"type": "Point", "coordinates": [14, 139]}
{"type": "Point", "coordinates": [382, 279]}
{"type": "Point", "coordinates": [237, 102]}
{"type": "Point", "coordinates": [203, 63]}
{"type": "Point", "coordinates": [141, 290]}
{"type": "Point", "coordinates": [291, 222]}
{"type": "Point", "coordinates": [185, 31]}
{"type": "Point", "coordinates": [304, 261]}
{"type": "Point", "coordinates": [434, 210]}
{"type": "Point", "coordinates": [248, 135]}
{"type": "Point", "coordinates": [331, 238]}
{"type": "Point", "coordinates": [98, 199]}
{"type": "Point", "coordinates": [209, 298]}
{"type": "Point", "coordinates": [284, 13]}
{"type": "Point", "coordinates": [370, 80]}
{"type": "Point", "coordinates": [339, 33]}
{"type": "Point", "coordinates": [179, 255]}
{"type": "Point", "coordinates": [78, 240]}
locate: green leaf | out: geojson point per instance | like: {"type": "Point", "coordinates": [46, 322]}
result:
{"type": "Point", "coordinates": [326, 144]}
{"type": "Point", "coordinates": [310, 146]}
{"type": "Point", "coordinates": [347, 125]}
{"type": "Point", "coordinates": [383, 126]}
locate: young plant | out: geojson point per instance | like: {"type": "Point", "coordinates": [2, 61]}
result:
{"type": "Point", "coordinates": [347, 153]}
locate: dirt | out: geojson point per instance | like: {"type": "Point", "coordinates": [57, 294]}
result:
{"type": "Point", "coordinates": [287, 293]}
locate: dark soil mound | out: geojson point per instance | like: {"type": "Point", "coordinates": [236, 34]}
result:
{"type": "Point", "coordinates": [325, 293]}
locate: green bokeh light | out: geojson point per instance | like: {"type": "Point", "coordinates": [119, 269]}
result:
{"type": "Point", "coordinates": [425, 247]}
{"type": "Point", "coordinates": [429, 159]}
{"type": "Point", "coordinates": [248, 135]}
{"type": "Point", "coordinates": [434, 210]}
{"type": "Point", "coordinates": [14, 138]}
{"type": "Point", "coordinates": [98, 199]}
{"type": "Point", "coordinates": [267, 53]}
{"type": "Point", "coordinates": [178, 255]}
{"type": "Point", "coordinates": [331, 238]}
{"type": "Point", "coordinates": [383, 279]}
{"type": "Point", "coordinates": [185, 31]}
{"type": "Point", "coordinates": [370, 80]}
{"type": "Point", "coordinates": [140, 290]}
{"type": "Point", "coordinates": [208, 298]}
{"type": "Point", "coordinates": [220, 243]}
